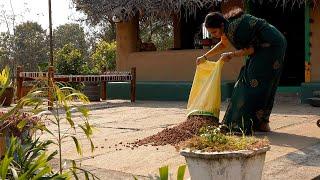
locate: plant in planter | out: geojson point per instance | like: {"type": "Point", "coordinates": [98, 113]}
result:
{"type": "Point", "coordinates": [18, 125]}
{"type": "Point", "coordinates": [28, 161]}
{"type": "Point", "coordinates": [6, 90]}
{"type": "Point", "coordinates": [216, 155]}
{"type": "Point", "coordinates": [25, 157]}
{"type": "Point", "coordinates": [65, 98]}
{"type": "Point", "coordinates": [15, 123]}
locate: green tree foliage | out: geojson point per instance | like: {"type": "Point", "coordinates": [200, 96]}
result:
{"type": "Point", "coordinates": [30, 47]}
{"type": "Point", "coordinates": [71, 34]}
{"type": "Point", "coordinates": [6, 50]}
{"type": "Point", "coordinates": [109, 33]}
{"type": "Point", "coordinates": [69, 60]}
{"type": "Point", "coordinates": [105, 30]}
{"type": "Point", "coordinates": [104, 56]}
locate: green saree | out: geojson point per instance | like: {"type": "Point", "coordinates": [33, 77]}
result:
{"type": "Point", "coordinates": [253, 95]}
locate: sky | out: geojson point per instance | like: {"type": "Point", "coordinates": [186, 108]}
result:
{"type": "Point", "coordinates": [37, 10]}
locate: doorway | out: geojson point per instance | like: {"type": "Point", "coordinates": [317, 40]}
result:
{"type": "Point", "coordinates": [289, 21]}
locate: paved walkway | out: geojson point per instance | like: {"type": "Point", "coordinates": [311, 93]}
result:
{"type": "Point", "coordinates": [295, 139]}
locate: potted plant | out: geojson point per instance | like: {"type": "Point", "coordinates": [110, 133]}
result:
{"type": "Point", "coordinates": [16, 125]}
{"type": "Point", "coordinates": [28, 158]}
{"type": "Point", "coordinates": [6, 90]}
{"type": "Point", "coordinates": [217, 155]}
{"type": "Point", "coordinates": [19, 124]}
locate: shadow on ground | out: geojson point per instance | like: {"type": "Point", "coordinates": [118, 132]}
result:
{"type": "Point", "coordinates": [305, 155]}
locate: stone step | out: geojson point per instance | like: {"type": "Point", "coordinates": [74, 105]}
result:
{"type": "Point", "coordinates": [315, 101]}
{"type": "Point", "coordinates": [316, 94]}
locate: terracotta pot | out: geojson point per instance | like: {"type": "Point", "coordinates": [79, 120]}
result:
{"type": "Point", "coordinates": [7, 96]}
{"type": "Point", "coordinates": [236, 165]}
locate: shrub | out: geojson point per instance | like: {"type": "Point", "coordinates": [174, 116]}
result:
{"type": "Point", "coordinates": [69, 60]}
{"type": "Point", "coordinates": [17, 124]}
{"type": "Point", "coordinates": [104, 56]}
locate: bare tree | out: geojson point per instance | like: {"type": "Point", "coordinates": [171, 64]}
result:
{"type": "Point", "coordinates": [8, 18]}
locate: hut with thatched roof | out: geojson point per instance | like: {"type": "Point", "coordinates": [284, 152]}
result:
{"type": "Point", "coordinates": [169, 73]}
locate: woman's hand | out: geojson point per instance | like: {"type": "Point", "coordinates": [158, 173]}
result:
{"type": "Point", "coordinates": [201, 59]}
{"type": "Point", "coordinates": [226, 56]}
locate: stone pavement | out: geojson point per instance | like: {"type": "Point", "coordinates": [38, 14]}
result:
{"type": "Point", "coordinates": [295, 140]}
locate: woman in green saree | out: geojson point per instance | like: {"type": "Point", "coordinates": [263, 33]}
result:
{"type": "Point", "coordinates": [264, 47]}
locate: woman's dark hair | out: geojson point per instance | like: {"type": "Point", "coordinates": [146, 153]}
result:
{"type": "Point", "coordinates": [215, 19]}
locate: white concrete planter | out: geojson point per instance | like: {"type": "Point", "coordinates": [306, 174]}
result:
{"type": "Point", "coordinates": [236, 165]}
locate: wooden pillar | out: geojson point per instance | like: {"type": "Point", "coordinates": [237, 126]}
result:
{"type": "Point", "coordinates": [50, 87]}
{"type": "Point", "coordinates": [176, 31]}
{"type": "Point", "coordinates": [104, 86]}
{"type": "Point", "coordinates": [315, 43]}
{"type": "Point", "coordinates": [127, 41]}
{"type": "Point", "coordinates": [133, 84]}
{"type": "Point", "coordinates": [19, 81]}
{"type": "Point", "coordinates": [307, 43]}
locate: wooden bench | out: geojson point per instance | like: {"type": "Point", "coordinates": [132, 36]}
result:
{"type": "Point", "coordinates": [106, 76]}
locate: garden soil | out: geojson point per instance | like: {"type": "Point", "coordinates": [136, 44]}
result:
{"type": "Point", "coordinates": [179, 133]}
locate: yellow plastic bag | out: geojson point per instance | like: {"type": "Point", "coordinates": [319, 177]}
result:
{"type": "Point", "coordinates": [205, 94]}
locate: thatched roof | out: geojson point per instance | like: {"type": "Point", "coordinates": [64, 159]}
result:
{"type": "Point", "coordinates": [126, 9]}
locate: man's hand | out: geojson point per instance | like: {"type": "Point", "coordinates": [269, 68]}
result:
{"type": "Point", "coordinates": [226, 56]}
{"type": "Point", "coordinates": [201, 59]}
